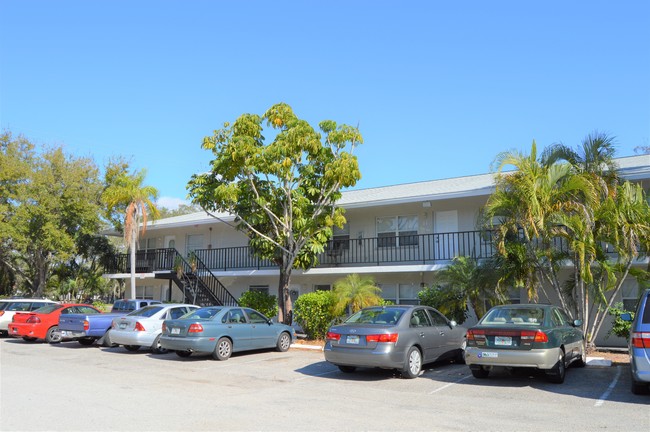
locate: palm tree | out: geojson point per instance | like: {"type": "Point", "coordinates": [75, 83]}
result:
{"type": "Point", "coordinates": [355, 292]}
{"type": "Point", "coordinates": [127, 192]}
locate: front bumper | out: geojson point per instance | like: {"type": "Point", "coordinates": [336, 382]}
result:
{"type": "Point", "coordinates": [384, 355]}
{"type": "Point", "coordinates": [534, 358]}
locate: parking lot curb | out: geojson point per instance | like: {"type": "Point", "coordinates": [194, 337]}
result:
{"type": "Point", "coordinates": [307, 347]}
{"type": "Point", "coordinates": [598, 361]}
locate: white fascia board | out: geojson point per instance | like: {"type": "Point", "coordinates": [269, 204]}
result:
{"type": "Point", "coordinates": [430, 197]}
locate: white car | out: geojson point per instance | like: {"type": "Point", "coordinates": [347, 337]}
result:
{"type": "Point", "coordinates": [9, 307]}
{"type": "Point", "coordinates": [144, 326]}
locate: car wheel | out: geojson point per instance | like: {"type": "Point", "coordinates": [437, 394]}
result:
{"type": "Point", "coordinates": [581, 361]}
{"type": "Point", "coordinates": [557, 374]}
{"type": "Point", "coordinates": [86, 341]}
{"type": "Point", "coordinates": [223, 350]}
{"type": "Point", "coordinates": [413, 364]}
{"type": "Point", "coordinates": [132, 348]}
{"type": "Point", "coordinates": [183, 354]}
{"type": "Point", "coordinates": [156, 348]}
{"type": "Point", "coordinates": [107, 340]}
{"type": "Point", "coordinates": [347, 369]}
{"type": "Point", "coordinates": [638, 388]}
{"type": "Point", "coordinates": [480, 372]}
{"type": "Point", "coordinates": [460, 357]}
{"type": "Point", "coordinates": [53, 335]}
{"type": "Point", "coordinates": [284, 342]}
{"type": "Point", "coordinates": [29, 339]}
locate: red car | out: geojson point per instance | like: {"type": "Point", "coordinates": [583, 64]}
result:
{"type": "Point", "coordinates": [43, 323]}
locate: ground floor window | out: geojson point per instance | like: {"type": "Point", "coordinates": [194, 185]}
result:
{"type": "Point", "coordinates": [322, 287]}
{"type": "Point", "coordinates": [259, 288]}
{"type": "Point", "coordinates": [401, 293]}
{"type": "Point", "coordinates": [144, 292]}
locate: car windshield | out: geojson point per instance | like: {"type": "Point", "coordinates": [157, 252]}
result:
{"type": "Point", "coordinates": [377, 315]}
{"type": "Point", "coordinates": [147, 311]}
{"type": "Point", "coordinates": [202, 314]}
{"type": "Point", "coordinates": [49, 308]}
{"type": "Point", "coordinates": [533, 316]}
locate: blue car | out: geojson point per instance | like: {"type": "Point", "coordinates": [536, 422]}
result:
{"type": "Point", "coordinates": [640, 345]}
{"type": "Point", "coordinates": [221, 331]}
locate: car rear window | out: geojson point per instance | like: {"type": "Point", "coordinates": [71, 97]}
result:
{"type": "Point", "coordinates": [202, 314]}
{"type": "Point", "coordinates": [147, 311]}
{"type": "Point", "coordinates": [376, 316]}
{"type": "Point", "coordinates": [645, 319]}
{"type": "Point", "coordinates": [504, 316]}
{"type": "Point", "coordinates": [49, 308]}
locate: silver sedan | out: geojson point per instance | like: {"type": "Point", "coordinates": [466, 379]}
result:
{"type": "Point", "coordinates": [394, 337]}
{"type": "Point", "coordinates": [144, 326]}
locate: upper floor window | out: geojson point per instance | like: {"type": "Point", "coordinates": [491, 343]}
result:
{"type": "Point", "coordinates": [340, 239]}
{"type": "Point", "coordinates": [397, 231]}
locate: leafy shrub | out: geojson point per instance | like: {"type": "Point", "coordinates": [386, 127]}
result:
{"type": "Point", "coordinates": [261, 301]}
{"type": "Point", "coordinates": [314, 312]}
{"type": "Point", "coordinates": [102, 306]}
{"type": "Point", "coordinates": [619, 327]}
{"type": "Point", "coordinates": [448, 301]}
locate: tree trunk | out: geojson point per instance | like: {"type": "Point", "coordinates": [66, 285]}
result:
{"type": "Point", "coordinates": [132, 266]}
{"type": "Point", "coordinates": [284, 296]}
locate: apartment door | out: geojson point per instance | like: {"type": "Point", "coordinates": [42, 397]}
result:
{"type": "Point", "coordinates": [446, 234]}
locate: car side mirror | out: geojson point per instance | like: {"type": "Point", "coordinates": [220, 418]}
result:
{"type": "Point", "coordinates": [577, 323]}
{"type": "Point", "coordinates": [626, 316]}
{"type": "Point", "coordinates": [452, 323]}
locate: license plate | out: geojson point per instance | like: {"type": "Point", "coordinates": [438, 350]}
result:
{"type": "Point", "coordinates": [122, 325]}
{"type": "Point", "coordinates": [489, 355]}
{"type": "Point", "coordinates": [352, 340]}
{"type": "Point", "coordinates": [176, 331]}
{"type": "Point", "coordinates": [503, 340]}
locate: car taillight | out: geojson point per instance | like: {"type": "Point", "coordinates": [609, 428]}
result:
{"type": "Point", "coordinates": [86, 325]}
{"type": "Point", "coordinates": [390, 337]}
{"type": "Point", "coordinates": [164, 328]}
{"type": "Point", "coordinates": [195, 328]}
{"type": "Point", "coordinates": [641, 340]}
{"type": "Point", "coordinates": [333, 336]}
{"type": "Point", "coordinates": [33, 319]}
{"type": "Point", "coordinates": [2, 313]}
{"type": "Point", "coordinates": [530, 336]}
{"type": "Point", "coordinates": [475, 337]}
{"type": "Point", "coordinates": [138, 326]}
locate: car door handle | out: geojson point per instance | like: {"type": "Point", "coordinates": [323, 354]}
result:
{"type": "Point", "coordinates": [421, 334]}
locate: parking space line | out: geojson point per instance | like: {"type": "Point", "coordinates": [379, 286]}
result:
{"type": "Point", "coordinates": [449, 385]}
{"type": "Point", "coordinates": [605, 395]}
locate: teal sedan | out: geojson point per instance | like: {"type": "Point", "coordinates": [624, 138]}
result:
{"type": "Point", "coordinates": [221, 331]}
{"type": "Point", "coordinates": [526, 336]}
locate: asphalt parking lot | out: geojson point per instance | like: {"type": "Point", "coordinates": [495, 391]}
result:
{"type": "Point", "coordinates": [69, 387]}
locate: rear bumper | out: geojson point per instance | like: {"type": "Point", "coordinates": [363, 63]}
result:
{"type": "Point", "coordinates": [122, 337]}
{"type": "Point", "coordinates": [22, 330]}
{"type": "Point", "coordinates": [195, 344]}
{"type": "Point", "coordinates": [640, 364]}
{"type": "Point", "coordinates": [535, 358]}
{"type": "Point", "coordinates": [385, 355]}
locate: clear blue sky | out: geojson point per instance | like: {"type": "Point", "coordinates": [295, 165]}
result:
{"type": "Point", "coordinates": [438, 89]}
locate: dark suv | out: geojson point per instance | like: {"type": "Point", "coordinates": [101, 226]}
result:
{"type": "Point", "coordinates": [640, 344]}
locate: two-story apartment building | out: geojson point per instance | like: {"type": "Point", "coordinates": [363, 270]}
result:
{"type": "Point", "coordinates": [399, 234]}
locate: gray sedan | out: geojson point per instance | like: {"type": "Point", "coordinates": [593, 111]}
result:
{"type": "Point", "coordinates": [394, 337]}
{"type": "Point", "coordinates": [223, 330]}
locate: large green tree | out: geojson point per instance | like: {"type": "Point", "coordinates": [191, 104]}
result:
{"type": "Point", "coordinates": [48, 200]}
{"type": "Point", "coordinates": [129, 202]}
{"type": "Point", "coordinates": [568, 206]}
{"type": "Point", "coordinates": [283, 192]}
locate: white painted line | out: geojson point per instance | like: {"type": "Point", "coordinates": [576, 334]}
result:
{"type": "Point", "coordinates": [605, 395]}
{"type": "Point", "coordinates": [449, 385]}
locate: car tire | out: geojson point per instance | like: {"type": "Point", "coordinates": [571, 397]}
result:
{"type": "Point", "coordinates": [132, 348]}
{"type": "Point", "coordinates": [480, 372]}
{"type": "Point", "coordinates": [86, 341]}
{"type": "Point", "coordinates": [284, 342]}
{"type": "Point", "coordinates": [183, 354]}
{"type": "Point", "coordinates": [557, 374]}
{"type": "Point", "coordinates": [347, 369]}
{"type": "Point", "coordinates": [581, 361]}
{"type": "Point", "coordinates": [53, 335]}
{"type": "Point", "coordinates": [107, 340]}
{"type": "Point", "coordinates": [638, 388]}
{"type": "Point", "coordinates": [223, 349]}
{"type": "Point", "coordinates": [413, 363]}
{"type": "Point", "coordinates": [156, 348]}
{"type": "Point", "coordinates": [29, 339]}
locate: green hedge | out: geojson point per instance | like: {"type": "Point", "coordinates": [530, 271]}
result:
{"type": "Point", "coordinates": [260, 301]}
{"type": "Point", "coordinates": [314, 312]}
